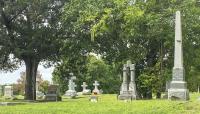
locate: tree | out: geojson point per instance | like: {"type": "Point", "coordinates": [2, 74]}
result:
{"type": "Point", "coordinates": [30, 32]}
{"type": "Point", "coordinates": [141, 32]}
{"type": "Point", "coordinates": [44, 86]}
{"type": "Point", "coordinates": [22, 80]}
{"type": "Point", "coordinates": [88, 70]}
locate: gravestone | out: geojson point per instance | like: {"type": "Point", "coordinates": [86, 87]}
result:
{"type": "Point", "coordinates": [39, 94]}
{"type": "Point", "coordinates": [96, 90]}
{"type": "Point", "coordinates": [178, 87]}
{"type": "Point", "coordinates": [85, 90]}
{"type": "Point", "coordinates": [94, 97]}
{"type": "Point", "coordinates": [1, 90]}
{"type": "Point", "coordinates": [71, 92]}
{"type": "Point", "coordinates": [8, 91]}
{"type": "Point", "coordinates": [52, 93]}
{"type": "Point", "coordinates": [128, 88]}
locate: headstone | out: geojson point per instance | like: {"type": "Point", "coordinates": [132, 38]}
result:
{"type": "Point", "coordinates": [128, 87]}
{"type": "Point", "coordinates": [71, 92]}
{"type": "Point", "coordinates": [8, 91]}
{"type": "Point", "coordinates": [178, 87]}
{"type": "Point", "coordinates": [52, 93]}
{"type": "Point", "coordinates": [85, 90]}
{"type": "Point", "coordinates": [39, 94]}
{"type": "Point", "coordinates": [96, 90]}
{"type": "Point", "coordinates": [94, 97]}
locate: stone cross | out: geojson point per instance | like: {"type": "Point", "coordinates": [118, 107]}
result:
{"type": "Point", "coordinates": [96, 84]}
{"type": "Point", "coordinates": [96, 90]}
{"type": "Point", "coordinates": [71, 92]}
{"type": "Point", "coordinates": [84, 86]}
{"type": "Point", "coordinates": [178, 86]}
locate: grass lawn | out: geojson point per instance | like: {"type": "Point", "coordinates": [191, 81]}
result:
{"type": "Point", "coordinates": [107, 104]}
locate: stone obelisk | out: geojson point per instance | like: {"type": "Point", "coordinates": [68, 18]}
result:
{"type": "Point", "coordinates": [178, 87]}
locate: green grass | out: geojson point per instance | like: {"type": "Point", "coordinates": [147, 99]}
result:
{"type": "Point", "coordinates": [108, 104]}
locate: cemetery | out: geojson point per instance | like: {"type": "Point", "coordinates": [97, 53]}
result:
{"type": "Point", "coordinates": [106, 57]}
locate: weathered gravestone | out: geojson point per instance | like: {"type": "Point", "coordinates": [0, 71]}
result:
{"type": "Point", "coordinates": [71, 92]}
{"type": "Point", "coordinates": [8, 91]}
{"type": "Point", "coordinates": [178, 87]}
{"type": "Point", "coordinates": [53, 93]}
{"type": "Point", "coordinates": [96, 90]}
{"type": "Point", "coordinates": [85, 90]}
{"type": "Point", "coordinates": [128, 88]}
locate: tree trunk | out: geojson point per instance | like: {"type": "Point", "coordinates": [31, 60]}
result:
{"type": "Point", "coordinates": [31, 71]}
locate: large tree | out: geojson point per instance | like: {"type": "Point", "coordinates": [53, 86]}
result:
{"type": "Point", "coordinates": [30, 32]}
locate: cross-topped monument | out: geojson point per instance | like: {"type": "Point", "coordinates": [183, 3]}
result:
{"type": "Point", "coordinates": [85, 90]}
{"type": "Point", "coordinates": [96, 90]}
{"type": "Point", "coordinates": [84, 85]}
{"type": "Point", "coordinates": [71, 85]}
{"type": "Point", "coordinates": [178, 87]}
{"type": "Point", "coordinates": [71, 92]}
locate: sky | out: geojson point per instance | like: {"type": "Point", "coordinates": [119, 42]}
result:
{"type": "Point", "coordinates": [12, 77]}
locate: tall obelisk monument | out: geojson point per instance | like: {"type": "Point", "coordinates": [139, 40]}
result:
{"type": "Point", "coordinates": [178, 87]}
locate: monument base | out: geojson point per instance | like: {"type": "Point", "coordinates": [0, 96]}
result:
{"type": "Point", "coordinates": [178, 91]}
{"type": "Point", "coordinates": [178, 94]}
{"type": "Point", "coordinates": [127, 96]}
{"type": "Point", "coordinates": [70, 94]}
{"type": "Point", "coordinates": [52, 97]}
{"type": "Point", "coordinates": [86, 92]}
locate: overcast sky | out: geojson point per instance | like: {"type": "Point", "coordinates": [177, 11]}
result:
{"type": "Point", "coordinates": [9, 78]}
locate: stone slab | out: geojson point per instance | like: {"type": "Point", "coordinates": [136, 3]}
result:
{"type": "Point", "coordinates": [178, 94]}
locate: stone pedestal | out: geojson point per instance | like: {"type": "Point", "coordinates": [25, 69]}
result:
{"type": "Point", "coordinates": [178, 94]}
{"type": "Point", "coordinates": [125, 95]}
{"type": "Point", "coordinates": [70, 93]}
